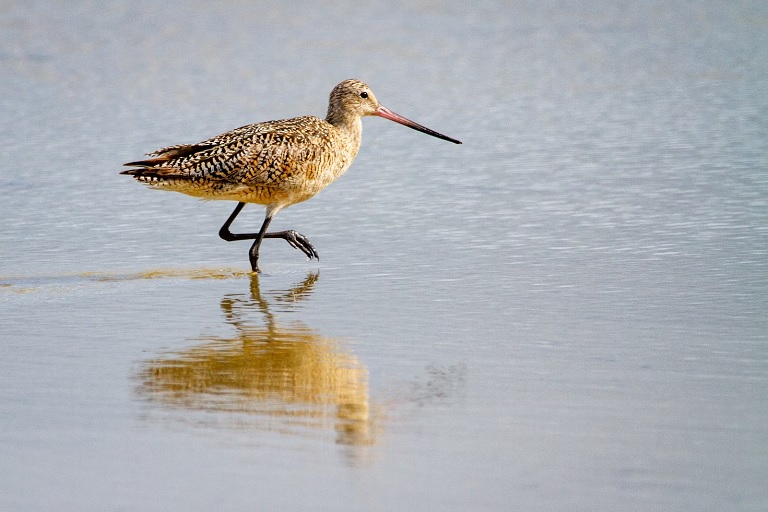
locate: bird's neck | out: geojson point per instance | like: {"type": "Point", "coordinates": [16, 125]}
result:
{"type": "Point", "coordinates": [350, 126]}
{"type": "Point", "coordinates": [342, 118]}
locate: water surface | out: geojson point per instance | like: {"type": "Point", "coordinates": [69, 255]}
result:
{"type": "Point", "coordinates": [566, 312]}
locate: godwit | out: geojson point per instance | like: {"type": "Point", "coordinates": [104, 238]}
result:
{"type": "Point", "coordinates": [275, 163]}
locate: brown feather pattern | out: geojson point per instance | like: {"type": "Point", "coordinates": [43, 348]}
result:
{"type": "Point", "coordinates": [276, 163]}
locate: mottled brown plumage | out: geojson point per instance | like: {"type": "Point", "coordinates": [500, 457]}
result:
{"type": "Point", "coordinates": [275, 163]}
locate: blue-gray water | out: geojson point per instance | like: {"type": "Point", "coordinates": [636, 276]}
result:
{"type": "Point", "coordinates": [567, 312]}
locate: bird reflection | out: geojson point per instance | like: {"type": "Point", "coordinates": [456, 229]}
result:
{"type": "Point", "coordinates": [272, 376]}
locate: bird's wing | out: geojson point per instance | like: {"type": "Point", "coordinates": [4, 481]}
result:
{"type": "Point", "coordinates": [256, 154]}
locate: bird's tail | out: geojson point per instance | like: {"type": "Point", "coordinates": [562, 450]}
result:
{"type": "Point", "coordinates": [155, 175]}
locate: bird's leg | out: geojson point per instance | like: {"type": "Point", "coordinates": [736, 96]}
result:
{"type": "Point", "coordinates": [227, 235]}
{"type": "Point", "coordinates": [253, 253]}
{"type": "Point", "coordinates": [294, 239]}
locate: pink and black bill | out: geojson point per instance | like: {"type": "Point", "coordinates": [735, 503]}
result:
{"type": "Point", "coordinates": [388, 114]}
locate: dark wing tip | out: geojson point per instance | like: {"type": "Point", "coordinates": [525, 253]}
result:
{"type": "Point", "coordinates": [146, 163]}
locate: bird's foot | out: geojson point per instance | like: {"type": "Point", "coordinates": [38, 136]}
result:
{"type": "Point", "coordinates": [254, 263]}
{"type": "Point", "coordinates": [300, 242]}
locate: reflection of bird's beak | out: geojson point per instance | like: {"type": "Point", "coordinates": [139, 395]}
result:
{"type": "Point", "coordinates": [388, 114]}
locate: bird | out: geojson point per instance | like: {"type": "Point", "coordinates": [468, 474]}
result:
{"type": "Point", "coordinates": [274, 163]}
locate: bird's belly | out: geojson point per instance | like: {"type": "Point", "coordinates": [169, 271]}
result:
{"type": "Point", "coordinates": [258, 194]}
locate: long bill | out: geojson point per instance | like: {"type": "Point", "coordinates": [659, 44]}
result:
{"type": "Point", "coordinates": [388, 114]}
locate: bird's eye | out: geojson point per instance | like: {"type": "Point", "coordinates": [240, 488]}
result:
{"type": "Point", "coordinates": [363, 94]}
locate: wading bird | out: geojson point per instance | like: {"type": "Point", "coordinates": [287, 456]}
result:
{"type": "Point", "coordinates": [275, 163]}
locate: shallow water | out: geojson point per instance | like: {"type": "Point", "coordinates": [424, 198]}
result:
{"type": "Point", "coordinates": [567, 312]}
